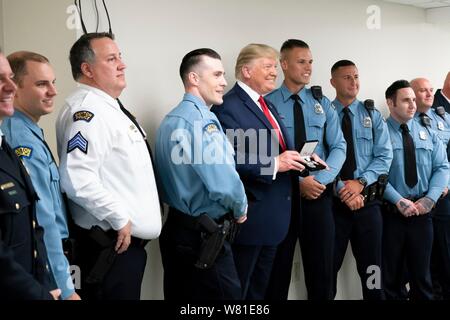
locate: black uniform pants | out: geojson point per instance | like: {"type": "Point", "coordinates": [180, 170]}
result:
{"type": "Point", "coordinates": [123, 280]}
{"type": "Point", "coordinates": [317, 238]}
{"type": "Point", "coordinates": [363, 228]}
{"type": "Point", "coordinates": [440, 258]}
{"type": "Point", "coordinates": [407, 242]}
{"type": "Point", "coordinates": [182, 280]}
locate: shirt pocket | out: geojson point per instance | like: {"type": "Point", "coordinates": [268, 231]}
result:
{"type": "Point", "coordinates": [288, 121]}
{"type": "Point", "coordinates": [316, 124]}
{"type": "Point", "coordinates": [364, 141]}
{"type": "Point", "coordinates": [138, 145]}
{"type": "Point", "coordinates": [424, 150]}
{"type": "Point", "coordinates": [397, 148]}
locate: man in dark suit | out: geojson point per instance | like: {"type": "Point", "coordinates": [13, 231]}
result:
{"type": "Point", "coordinates": [24, 273]}
{"type": "Point", "coordinates": [442, 96]}
{"type": "Point", "coordinates": [263, 161]}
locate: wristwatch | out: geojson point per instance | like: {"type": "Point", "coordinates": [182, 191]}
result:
{"type": "Point", "coordinates": [362, 181]}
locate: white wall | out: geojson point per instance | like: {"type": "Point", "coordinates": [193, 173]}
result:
{"type": "Point", "coordinates": [155, 35]}
{"type": "Point", "coordinates": [1, 24]}
{"type": "Point", "coordinates": [40, 26]}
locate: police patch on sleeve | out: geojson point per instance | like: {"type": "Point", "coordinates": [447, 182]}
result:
{"type": "Point", "coordinates": [83, 116]}
{"type": "Point", "coordinates": [78, 142]}
{"type": "Point", "coordinates": [23, 152]}
{"type": "Point", "coordinates": [211, 128]}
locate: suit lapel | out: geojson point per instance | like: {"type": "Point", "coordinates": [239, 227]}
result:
{"type": "Point", "coordinates": [252, 106]}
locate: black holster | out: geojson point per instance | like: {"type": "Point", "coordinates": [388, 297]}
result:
{"type": "Point", "coordinates": [213, 238]}
{"type": "Point", "coordinates": [105, 258]}
{"type": "Point", "coordinates": [70, 250]}
{"type": "Point", "coordinates": [375, 191]}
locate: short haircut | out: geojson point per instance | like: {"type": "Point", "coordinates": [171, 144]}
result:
{"type": "Point", "coordinates": [340, 64]}
{"type": "Point", "coordinates": [193, 58]}
{"type": "Point", "coordinates": [391, 92]}
{"type": "Point", "coordinates": [292, 44]}
{"type": "Point", "coordinates": [18, 62]}
{"type": "Point", "coordinates": [82, 52]}
{"type": "Point", "coordinates": [252, 52]}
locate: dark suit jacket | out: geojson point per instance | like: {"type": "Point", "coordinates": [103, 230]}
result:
{"type": "Point", "coordinates": [269, 200]}
{"type": "Point", "coordinates": [439, 100]}
{"type": "Point", "coordinates": [24, 272]}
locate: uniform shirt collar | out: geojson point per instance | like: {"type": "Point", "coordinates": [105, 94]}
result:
{"type": "Point", "coordinates": [30, 124]}
{"type": "Point", "coordinates": [418, 113]}
{"type": "Point", "coordinates": [352, 107]}
{"type": "Point", "coordinates": [195, 100]}
{"type": "Point", "coordinates": [396, 125]}
{"type": "Point", "coordinates": [285, 93]}
{"type": "Point", "coordinates": [113, 102]}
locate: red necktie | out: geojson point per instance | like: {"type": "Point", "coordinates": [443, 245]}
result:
{"type": "Point", "coordinates": [272, 121]}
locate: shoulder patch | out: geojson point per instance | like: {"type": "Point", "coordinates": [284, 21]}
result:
{"type": "Point", "coordinates": [78, 142]}
{"type": "Point", "coordinates": [211, 128]}
{"type": "Point", "coordinates": [23, 152]}
{"type": "Point", "coordinates": [83, 116]}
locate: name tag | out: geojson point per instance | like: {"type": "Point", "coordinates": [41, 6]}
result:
{"type": "Point", "coordinates": [7, 186]}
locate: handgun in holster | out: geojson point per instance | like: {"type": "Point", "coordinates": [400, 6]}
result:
{"type": "Point", "coordinates": [382, 183]}
{"type": "Point", "coordinates": [70, 250]}
{"type": "Point", "coordinates": [106, 257]}
{"type": "Point", "coordinates": [213, 239]}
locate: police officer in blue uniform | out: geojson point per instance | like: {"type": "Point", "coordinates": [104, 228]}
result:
{"type": "Point", "coordinates": [308, 115]}
{"type": "Point", "coordinates": [195, 164]}
{"type": "Point", "coordinates": [24, 273]}
{"type": "Point", "coordinates": [357, 207]}
{"type": "Point", "coordinates": [418, 176]}
{"type": "Point", "coordinates": [439, 121]}
{"type": "Point", "coordinates": [34, 98]}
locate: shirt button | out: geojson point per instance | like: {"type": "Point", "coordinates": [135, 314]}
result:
{"type": "Point", "coordinates": [289, 198]}
{"type": "Point", "coordinates": [35, 254]}
{"type": "Point", "coordinates": [17, 206]}
{"type": "Point", "coordinates": [34, 224]}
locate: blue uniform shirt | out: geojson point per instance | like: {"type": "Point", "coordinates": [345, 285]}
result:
{"type": "Point", "coordinates": [440, 125]}
{"type": "Point", "coordinates": [195, 162]}
{"type": "Point", "coordinates": [431, 159]}
{"type": "Point", "coordinates": [316, 115]}
{"type": "Point", "coordinates": [373, 155]}
{"type": "Point", "coordinates": [27, 139]}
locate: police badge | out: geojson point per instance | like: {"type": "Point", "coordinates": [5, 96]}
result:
{"type": "Point", "coordinates": [423, 135]}
{"type": "Point", "coordinates": [367, 122]}
{"type": "Point", "coordinates": [318, 108]}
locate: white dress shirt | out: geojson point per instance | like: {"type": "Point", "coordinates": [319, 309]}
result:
{"type": "Point", "coordinates": [108, 178]}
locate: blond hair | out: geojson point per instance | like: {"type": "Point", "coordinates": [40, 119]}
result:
{"type": "Point", "coordinates": [252, 52]}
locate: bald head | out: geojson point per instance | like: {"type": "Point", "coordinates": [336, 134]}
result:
{"type": "Point", "coordinates": [424, 94]}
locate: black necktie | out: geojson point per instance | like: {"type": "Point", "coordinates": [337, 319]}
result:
{"type": "Point", "coordinates": [349, 166]}
{"type": "Point", "coordinates": [299, 122]}
{"type": "Point", "coordinates": [409, 153]}
{"type": "Point", "coordinates": [133, 119]}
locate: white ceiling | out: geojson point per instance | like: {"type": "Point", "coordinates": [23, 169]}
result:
{"type": "Point", "coordinates": [427, 4]}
